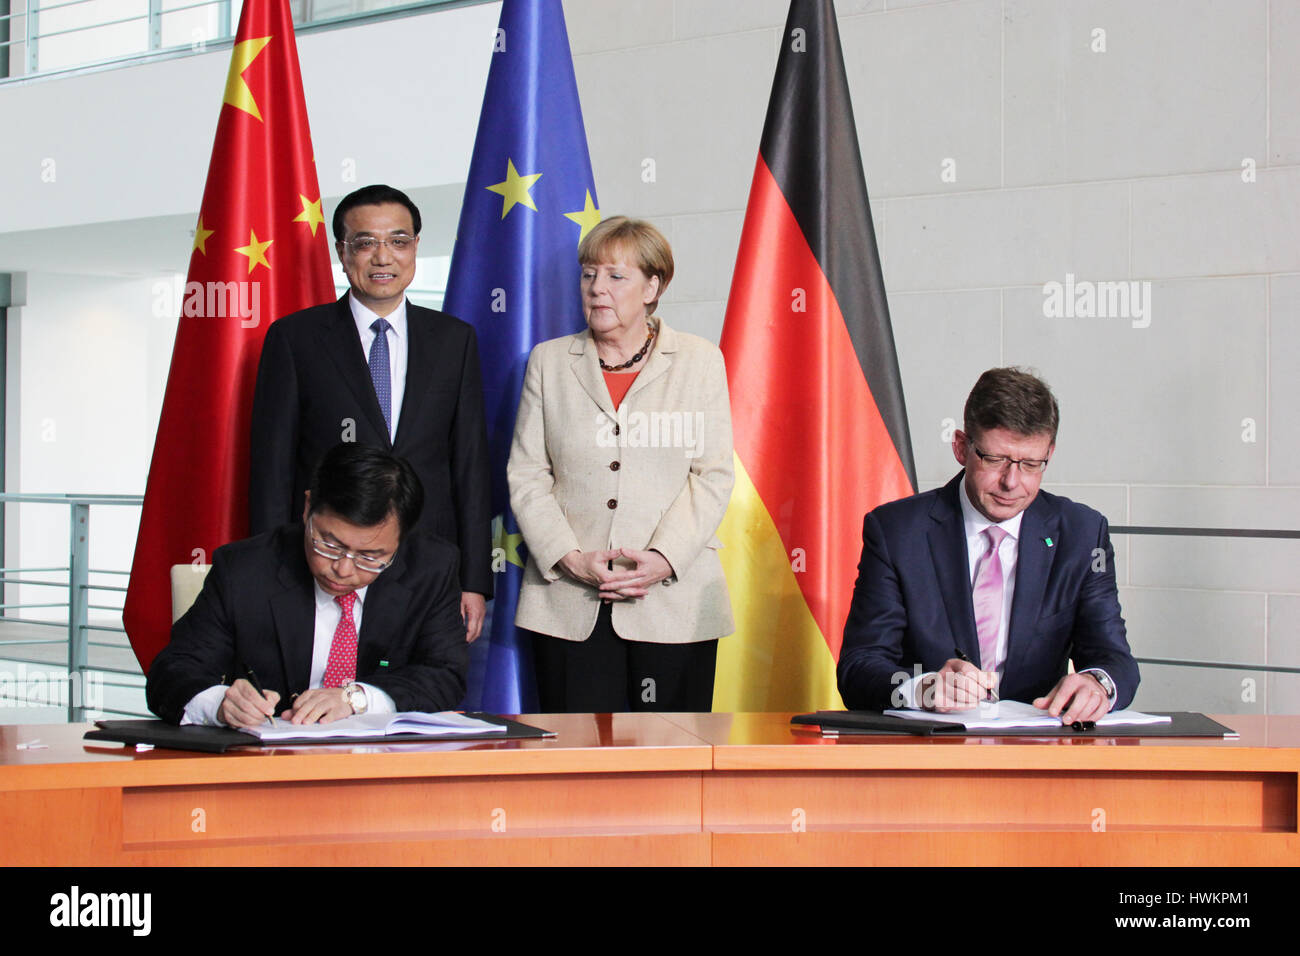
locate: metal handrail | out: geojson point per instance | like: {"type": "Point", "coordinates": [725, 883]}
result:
{"type": "Point", "coordinates": [78, 627]}
{"type": "Point", "coordinates": [31, 34]}
{"type": "Point", "coordinates": [64, 6]}
{"type": "Point", "coordinates": [93, 26]}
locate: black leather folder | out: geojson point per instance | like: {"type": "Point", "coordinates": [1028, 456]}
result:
{"type": "Point", "coordinates": [216, 740]}
{"type": "Point", "coordinates": [849, 722]}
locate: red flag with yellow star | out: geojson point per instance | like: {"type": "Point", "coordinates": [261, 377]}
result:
{"type": "Point", "coordinates": [260, 251]}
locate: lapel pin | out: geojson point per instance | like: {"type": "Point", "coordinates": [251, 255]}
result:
{"type": "Point", "coordinates": [1049, 542]}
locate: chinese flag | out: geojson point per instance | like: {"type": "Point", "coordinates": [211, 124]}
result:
{"type": "Point", "coordinates": [817, 401]}
{"type": "Point", "coordinates": [261, 251]}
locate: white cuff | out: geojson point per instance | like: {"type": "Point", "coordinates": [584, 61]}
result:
{"type": "Point", "coordinates": [907, 692]}
{"type": "Point", "coordinates": [377, 701]}
{"type": "Point", "coordinates": [204, 707]}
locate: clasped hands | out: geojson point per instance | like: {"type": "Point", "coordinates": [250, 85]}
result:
{"type": "Point", "coordinates": [243, 706]}
{"type": "Point", "coordinates": [960, 685]}
{"type": "Point", "coordinates": [593, 567]}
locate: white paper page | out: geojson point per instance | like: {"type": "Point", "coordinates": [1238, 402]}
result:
{"type": "Point", "coordinates": [1006, 714]}
{"type": "Point", "coordinates": [446, 723]}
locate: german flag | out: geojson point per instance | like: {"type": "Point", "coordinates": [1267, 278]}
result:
{"type": "Point", "coordinates": [820, 427]}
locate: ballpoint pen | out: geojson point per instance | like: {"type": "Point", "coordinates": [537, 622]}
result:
{"type": "Point", "coordinates": [257, 686]}
{"type": "Point", "coordinates": [961, 656]}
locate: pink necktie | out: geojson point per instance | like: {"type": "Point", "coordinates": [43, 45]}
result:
{"type": "Point", "coordinates": [342, 665]}
{"type": "Point", "coordinates": [987, 598]}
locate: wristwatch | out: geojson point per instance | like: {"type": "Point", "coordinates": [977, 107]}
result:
{"type": "Point", "coordinates": [355, 695]}
{"type": "Point", "coordinates": [1102, 678]}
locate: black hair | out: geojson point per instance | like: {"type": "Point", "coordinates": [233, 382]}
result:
{"type": "Point", "coordinates": [375, 195]}
{"type": "Point", "coordinates": [364, 485]}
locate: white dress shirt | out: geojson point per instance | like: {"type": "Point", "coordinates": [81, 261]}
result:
{"type": "Point", "coordinates": [977, 545]}
{"type": "Point", "coordinates": [398, 347]}
{"type": "Point", "coordinates": [205, 706]}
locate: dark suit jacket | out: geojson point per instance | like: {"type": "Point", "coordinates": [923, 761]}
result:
{"type": "Point", "coordinates": [313, 380]}
{"type": "Point", "coordinates": [912, 601]}
{"type": "Point", "coordinates": [257, 609]}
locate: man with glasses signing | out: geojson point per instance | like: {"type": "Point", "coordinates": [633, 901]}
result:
{"type": "Point", "coordinates": [375, 369]}
{"type": "Point", "coordinates": [987, 588]}
{"type": "Point", "coordinates": [353, 611]}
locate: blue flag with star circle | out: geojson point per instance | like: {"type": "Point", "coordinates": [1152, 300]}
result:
{"type": "Point", "coordinates": [514, 276]}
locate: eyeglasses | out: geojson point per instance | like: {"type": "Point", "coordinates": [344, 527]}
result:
{"type": "Point", "coordinates": [1028, 466]}
{"type": "Point", "coordinates": [335, 553]}
{"type": "Point", "coordinates": [364, 245]}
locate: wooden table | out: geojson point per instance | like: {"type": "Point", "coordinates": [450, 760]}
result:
{"type": "Point", "coordinates": [671, 789]}
{"type": "Point", "coordinates": [622, 788]}
{"type": "Point", "coordinates": [777, 796]}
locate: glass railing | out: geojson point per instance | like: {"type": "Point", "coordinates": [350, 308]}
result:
{"type": "Point", "coordinates": [64, 653]}
{"type": "Point", "coordinates": [62, 646]}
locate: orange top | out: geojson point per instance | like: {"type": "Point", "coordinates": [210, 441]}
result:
{"type": "Point", "coordinates": [618, 384]}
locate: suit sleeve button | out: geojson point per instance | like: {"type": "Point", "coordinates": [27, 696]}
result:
{"type": "Point", "coordinates": [614, 466]}
{"type": "Point", "coordinates": [611, 504]}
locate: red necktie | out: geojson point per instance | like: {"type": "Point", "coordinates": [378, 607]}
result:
{"type": "Point", "coordinates": [342, 666]}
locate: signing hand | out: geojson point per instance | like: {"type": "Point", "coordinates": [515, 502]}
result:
{"type": "Point", "coordinates": [958, 685]}
{"type": "Point", "coordinates": [649, 568]}
{"type": "Point", "coordinates": [245, 707]}
{"type": "Point", "coordinates": [320, 705]}
{"type": "Point", "coordinates": [1076, 697]}
{"type": "Point", "coordinates": [473, 609]}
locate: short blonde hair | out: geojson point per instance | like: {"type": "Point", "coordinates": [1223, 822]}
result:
{"type": "Point", "coordinates": [648, 249]}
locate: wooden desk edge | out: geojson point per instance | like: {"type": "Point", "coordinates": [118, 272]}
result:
{"type": "Point", "coordinates": [675, 751]}
{"type": "Point", "coordinates": [975, 759]}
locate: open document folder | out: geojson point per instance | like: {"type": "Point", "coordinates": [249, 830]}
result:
{"type": "Point", "coordinates": [1007, 714]}
{"type": "Point", "coordinates": [446, 723]}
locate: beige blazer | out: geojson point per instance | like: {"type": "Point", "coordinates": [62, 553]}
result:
{"type": "Point", "coordinates": [655, 475]}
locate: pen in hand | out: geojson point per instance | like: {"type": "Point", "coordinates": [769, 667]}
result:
{"type": "Point", "coordinates": [257, 686]}
{"type": "Point", "coordinates": [961, 656]}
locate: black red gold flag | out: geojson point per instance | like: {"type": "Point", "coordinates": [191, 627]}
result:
{"type": "Point", "coordinates": [820, 426]}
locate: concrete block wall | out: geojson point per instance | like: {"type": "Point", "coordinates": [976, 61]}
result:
{"type": "Point", "coordinates": [1150, 141]}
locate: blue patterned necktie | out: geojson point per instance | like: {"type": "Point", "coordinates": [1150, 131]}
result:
{"type": "Point", "coordinates": [380, 373]}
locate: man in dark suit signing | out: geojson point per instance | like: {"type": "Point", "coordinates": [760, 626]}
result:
{"type": "Point", "coordinates": [987, 588]}
{"type": "Point", "coordinates": [353, 611]}
{"type": "Point", "coordinates": [375, 369]}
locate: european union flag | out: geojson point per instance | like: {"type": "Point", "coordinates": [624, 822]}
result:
{"type": "Point", "coordinates": [514, 276]}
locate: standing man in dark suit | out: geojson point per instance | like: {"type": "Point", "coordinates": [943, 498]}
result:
{"type": "Point", "coordinates": [986, 588]}
{"type": "Point", "coordinates": [375, 369]}
{"type": "Point", "coordinates": [353, 611]}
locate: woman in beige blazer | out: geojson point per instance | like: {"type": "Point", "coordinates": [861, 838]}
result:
{"type": "Point", "coordinates": [620, 472]}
